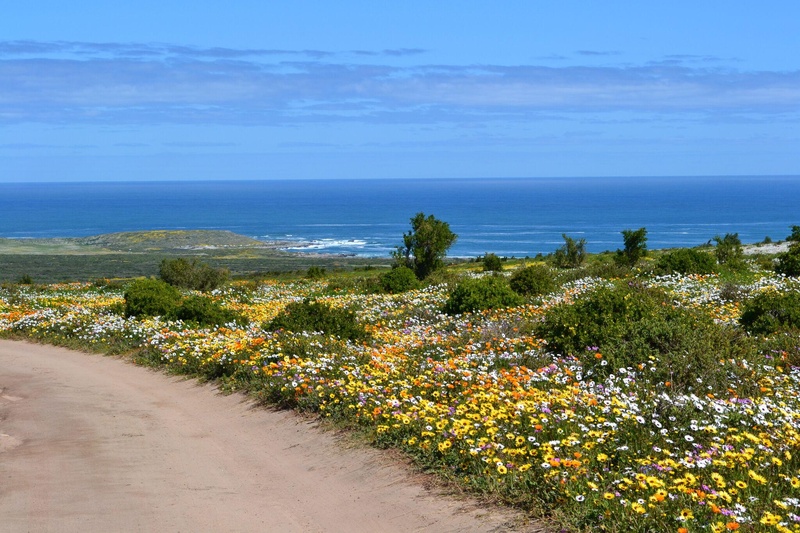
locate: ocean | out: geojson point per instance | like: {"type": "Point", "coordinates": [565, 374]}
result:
{"type": "Point", "coordinates": [509, 217]}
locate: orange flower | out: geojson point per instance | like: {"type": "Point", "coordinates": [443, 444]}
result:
{"type": "Point", "coordinates": [732, 526]}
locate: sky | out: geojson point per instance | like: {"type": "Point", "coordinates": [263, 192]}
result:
{"type": "Point", "coordinates": [209, 90]}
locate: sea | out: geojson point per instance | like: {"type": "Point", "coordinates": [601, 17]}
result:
{"type": "Point", "coordinates": [519, 217]}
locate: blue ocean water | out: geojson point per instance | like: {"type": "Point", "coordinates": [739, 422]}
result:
{"type": "Point", "coordinates": [510, 217]}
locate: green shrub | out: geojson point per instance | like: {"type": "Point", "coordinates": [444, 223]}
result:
{"type": "Point", "coordinates": [783, 347]}
{"type": "Point", "coordinates": [399, 279]}
{"type": "Point", "coordinates": [729, 251]}
{"type": "Point", "coordinates": [151, 297]}
{"type": "Point", "coordinates": [685, 261]}
{"type": "Point", "coordinates": [794, 235]}
{"type": "Point", "coordinates": [205, 312]}
{"type": "Point", "coordinates": [631, 326]}
{"type": "Point", "coordinates": [492, 263]}
{"type": "Point", "coordinates": [606, 268]}
{"type": "Point", "coordinates": [789, 262]}
{"type": "Point", "coordinates": [731, 292]}
{"type": "Point", "coordinates": [316, 317]}
{"type": "Point", "coordinates": [572, 254]}
{"type": "Point", "coordinates": [191, 274]}
{"type": "Point", "coordinates": [25, 279]}
{"type": "Point", "coordinates": [315, 272]}
{"type": "Point", "coordinates": [771, 312]}
{"type": "Point", "coordinates": [534, 280]}
{"type": "Point", "coordinates": [476, 294]}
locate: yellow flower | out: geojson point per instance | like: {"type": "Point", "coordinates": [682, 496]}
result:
{"type": "Point", "coordinates": [686, 514]}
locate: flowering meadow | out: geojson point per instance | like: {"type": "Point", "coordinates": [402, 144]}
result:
{"type": "Point", "coordinates": [481, 399]}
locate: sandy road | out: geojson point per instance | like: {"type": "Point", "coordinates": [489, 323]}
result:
{"type": "Point", "coordinates": [95, 444]}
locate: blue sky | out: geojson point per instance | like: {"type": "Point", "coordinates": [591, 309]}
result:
{"type": "Point", "coordinates": [173, 90]}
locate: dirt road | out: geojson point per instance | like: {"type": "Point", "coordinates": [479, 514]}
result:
{"type": "Point", "coordinates": [95, 444]}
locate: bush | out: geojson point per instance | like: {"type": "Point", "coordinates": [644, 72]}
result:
{"type": "Point", "coordinates": [476, 294]}
{"type": "Point", "coordinates": [315, 272]}
{"type": "Point", "coordinates": [533, 281]}
{"type": "Point", "coordinates": [783, 347]}
{"type": "Point", "coordinates": [151, 297]}
{"type": "Point", "coordinates": [771, 312]}
{"type": "Point", "coordinates": [729, 251]}
{"type": "Point", "coordinates": [205, 312]}
{"type": "Point", "coordinates": [399, 279]}
{"type": "Point", "coordinates": [191, 274]}
{"type": "Point", "coordinates": [635, 247]}
{"type": "Point", "coordinates": [685, 261]}
{"type": "Point", "coordinates": [571, 254]}
{"type": "Point", "coordinates": [629, 326]}
{"type": "Point", "coordinates": [311, 316]}
{"type": "Point", "coordinates": [794, 235]}
{"type": "Point", "coordinates": [492, 263]}
{"type": "Point", "coordinates": [789, 262]}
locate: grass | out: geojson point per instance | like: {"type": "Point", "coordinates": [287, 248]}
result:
{"type": "Point", "coordinates": [135, 254]}
{"type": "Point", "coordinates": [484, 401]}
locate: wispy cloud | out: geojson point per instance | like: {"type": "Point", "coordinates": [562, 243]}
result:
{"type": "Point", "coordinates": [76, 82]}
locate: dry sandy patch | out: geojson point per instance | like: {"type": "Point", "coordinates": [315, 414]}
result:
{"type": "Point", "coordinates": [95, 444]}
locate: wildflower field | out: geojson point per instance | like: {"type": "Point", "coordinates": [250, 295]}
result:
{"type": "Point", "coordinates": [484, 400]}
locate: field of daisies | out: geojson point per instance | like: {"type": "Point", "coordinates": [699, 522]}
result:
{"type": "Point", "coordinates": [487, 402]}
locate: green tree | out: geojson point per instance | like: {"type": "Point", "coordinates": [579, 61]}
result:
{"type": "Point", "coordinates": [729, 250]}
{"type": "Point", "coordinates": [571, 254]}
{"type": "Point", "coordinates": [795, 235]}
{"type": "Point", "coordinates": [635, 246]}
{"type": "Point", "coordinates": [425, 246]}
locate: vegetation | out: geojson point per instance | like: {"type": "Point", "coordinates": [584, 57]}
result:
{"type": "Point", "coordinates": [613, 401]}
{"type": "Point", "coordinates": [635, 247]}
{"type": "Point", "coordinates": [156, 298]}
{"type": "Point", "coordinates": [492, 263]}
{"type": "Point", "coordinates": [315, 272]}
{"type": "Point", "coordinates": [628, 325]}
{"type": "Point", "coordinates": [191, 274]}
{"type": "Point", "coordinates": [316, 317]}
{"type": "Point", "coordinates": [794, 236]}
{"type": "Point", "coordinates": [477, 294]}
{"type": "Point", "coordinates": [204, 311]}
{"type": "Point", "coordinates": [771, 312]}
{"type": "Point", "coordinates": [425, 245]}
{"type": "Point", "coordinates": [533, 280]}
{"type": "Point", "coordinates": [729, 251]}
{"type": "Point", "coordinates": [571, 254]}
{"type": "Point", "coordinates": [685, 261]}
{"type": "Point", "coordinates": [399, 279]}
{"type": "Point", "coordinates": [789, 262]}
{"type": "Point", "coordinates": [151, 297]}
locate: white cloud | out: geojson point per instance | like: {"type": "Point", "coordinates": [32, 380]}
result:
{"type": "Point", "coordinates": [159, 83]}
